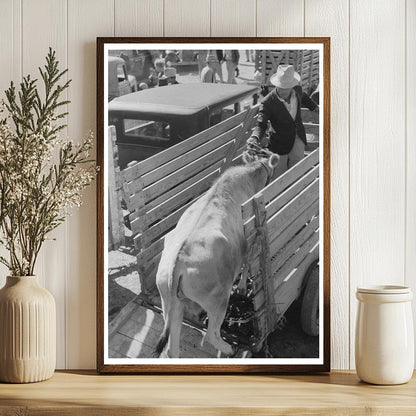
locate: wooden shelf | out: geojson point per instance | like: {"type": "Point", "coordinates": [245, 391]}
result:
{"type": "Point", "coordinates": [86, 393]}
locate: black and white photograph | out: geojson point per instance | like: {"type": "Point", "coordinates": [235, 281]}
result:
{"type": "Point", "coordinates": [213, 211]}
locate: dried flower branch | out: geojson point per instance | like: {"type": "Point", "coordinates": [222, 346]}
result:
{"type": "Point", "coordinates": [41, 176]}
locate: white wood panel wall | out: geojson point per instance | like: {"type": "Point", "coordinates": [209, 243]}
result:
{"type": "Point", "coordinates": [373, 128]}
{"type": "Point", "coordinates": [85, 20]}
{"type": "Point", "coordinates": [52, 267]}
{"type": "Point", "coordinates": [377, 146]}
{"type": "Point", "coordinates": [410, 91]}
{"type": "Point", "coordinates": [330, 18]}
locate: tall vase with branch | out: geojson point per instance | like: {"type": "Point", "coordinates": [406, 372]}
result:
{"type": "Point", "coordinates": [42, 177]}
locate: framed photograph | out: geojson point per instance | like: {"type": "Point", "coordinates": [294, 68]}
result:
{"type": "Point", "coordinates": [213, 205]}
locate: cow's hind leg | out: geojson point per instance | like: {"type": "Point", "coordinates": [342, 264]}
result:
{"type": "Point", "coordinates": [177, 309]}
{"type": "Point", "coordinates": [172, 308]}
{"type": "Point", "coordinates": [216, 317]}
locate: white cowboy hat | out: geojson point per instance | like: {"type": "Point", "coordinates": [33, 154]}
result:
{"type": "Point", "coordinates": [285, 77]}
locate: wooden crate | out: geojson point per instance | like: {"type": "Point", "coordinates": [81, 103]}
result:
{"type": "Point", "coordinates": [306, 63]}
{"type": "Point", "coordinates": [281, 224]}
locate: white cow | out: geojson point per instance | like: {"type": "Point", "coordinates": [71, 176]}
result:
{"type": "Point", "coordinates": [204, 255]}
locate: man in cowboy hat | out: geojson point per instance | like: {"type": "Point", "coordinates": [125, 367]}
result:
{"type": "Point", "coordinates": [282, 108]}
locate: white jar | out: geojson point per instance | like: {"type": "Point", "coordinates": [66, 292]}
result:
{"type": "Point", "coordinates": [384, 338]}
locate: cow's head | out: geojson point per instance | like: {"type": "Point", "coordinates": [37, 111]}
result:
{"type": "Point", "coordinates": [267, 159]}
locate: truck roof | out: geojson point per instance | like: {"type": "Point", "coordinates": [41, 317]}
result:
{"type": "Point", "coordinates": [179, 99]}
{"type": "Point", "coordinates": [115, 59]}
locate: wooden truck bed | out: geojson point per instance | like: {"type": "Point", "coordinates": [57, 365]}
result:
{"type": "Point", "coordinates": [281, 224]}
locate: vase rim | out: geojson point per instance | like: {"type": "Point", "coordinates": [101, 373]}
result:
{"type": "Point", "coordinates": [22, 277]}
{"type": "Point", "coordinates": [384, 289]}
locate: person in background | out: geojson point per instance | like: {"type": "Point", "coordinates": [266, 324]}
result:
{"type": "Point", "coordinates": [235, 57]}
{"type": "Point", "coordinates": [170, 74]}
{"type": "Point", "coordinates": [282, 108]}
{"type": "Point", "coordinates": [231, 61]}
{"type": "Point", "coordinates": [208, 72]}
{"type": "Point", "coordinates": [230, 67]}
{"type": "Point", "coordinates": [201, 58]}
{"type": "Point", "coordinates": [153, 78]}
{"type": "Point", "coordinates": [257, 81]}
{"type": "Point", "coordinates": [159, 72]}
{"type": "Point", "coordinates": [217, 65]}
{"type": "Point", "coordinates": [249, 55]}
{"type": "Point", "coordinates": [146, 59]}
{"type": "Point", "coordinates": [171, 58]}
{"type": "Point", "coordinates": [159, 66]}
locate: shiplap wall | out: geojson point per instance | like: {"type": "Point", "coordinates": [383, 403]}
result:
{"type": "Point", "coordinates": [373, 128]}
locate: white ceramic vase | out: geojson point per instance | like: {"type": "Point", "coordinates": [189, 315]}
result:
{"type": "Point", "coordinates": [384, 342]}
{"type": "Point", "coordinates": [27, 331]}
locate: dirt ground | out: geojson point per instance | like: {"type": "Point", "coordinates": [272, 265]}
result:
{"type": "Point", "coordinates": [123, 280]}
{"type": "Point", "coordinates": [246, 73]}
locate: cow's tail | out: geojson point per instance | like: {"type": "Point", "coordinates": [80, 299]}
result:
{"type": "Point", "coordinates": [170, 305]}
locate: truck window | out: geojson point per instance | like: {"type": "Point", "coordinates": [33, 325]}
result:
{"type": "Point", "coordinates": [235, 108]}
{"type": "Point", "coordinates": [147, 129]}
{"type": "Point", "coordinates": [228, 111]}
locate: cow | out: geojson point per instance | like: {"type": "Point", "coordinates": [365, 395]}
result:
{"type": "Point", "coordinates": [204, 254]}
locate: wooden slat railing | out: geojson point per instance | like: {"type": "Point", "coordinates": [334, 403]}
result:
{"type": "Point", "coordinates": [290, 237]}
{"type": "Point", "coordinates": [159, 189]}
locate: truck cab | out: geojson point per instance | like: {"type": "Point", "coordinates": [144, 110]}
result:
{"type": "Point", "coordinates": [152, 120]}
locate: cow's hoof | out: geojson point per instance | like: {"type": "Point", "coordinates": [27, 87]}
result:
{"type": "Point", "coordinates": [227, 351]}
{"type": "Point", "coordinates": [242, 353]}
{"type": "Point", "coordinates": [235, 352]}
{"type": "Point", "coordinates": [164, 354]}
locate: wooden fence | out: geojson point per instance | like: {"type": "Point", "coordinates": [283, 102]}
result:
{"type": "Point", "coordinates": [115, 213]}
{"type": "Point", "coordinates": [145, 176]}
{"type": "Point", "coordinates": [281, 224]}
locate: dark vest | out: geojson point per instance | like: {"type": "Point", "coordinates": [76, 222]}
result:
{"type": "Point", "coordinates": [283, 128]}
